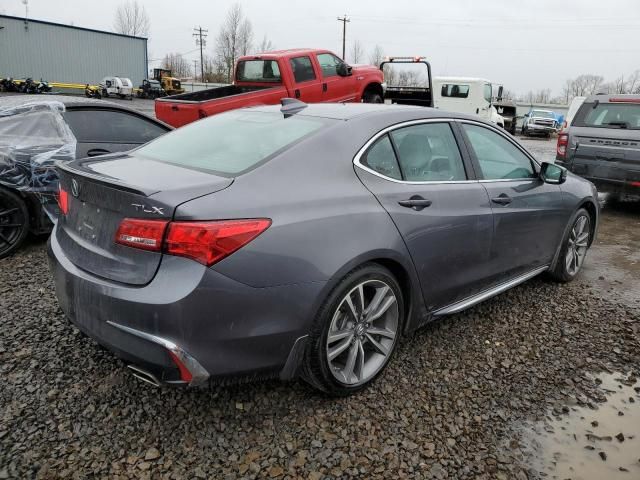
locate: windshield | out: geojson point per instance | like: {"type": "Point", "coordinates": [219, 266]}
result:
{"type": "Point", "coordinates": [231, 143]}
{"type": "Point", "coordinates": [609, 115]}
{"type": "Point", "coordinates": [542, 114]}
{"type": "Point", "coordinates": [258, 71]}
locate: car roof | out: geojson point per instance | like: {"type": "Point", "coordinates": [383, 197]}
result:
{"type": "Point", "coordinates": [69, 101]}
{"type": "Point", "coordinates": [348, 111]}
{"type": "Point", "coordinates": [66, 100]}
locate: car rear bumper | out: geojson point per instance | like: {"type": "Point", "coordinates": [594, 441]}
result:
{"type": "Point", "coordinates": [615, 186]}
{"type": "Point", "coordinates": [189, 316]}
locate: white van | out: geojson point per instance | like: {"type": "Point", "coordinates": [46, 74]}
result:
{"type": "Point", "coordinates": [120, 86]}
{"type": "Point", "coordinates": [466, 95]}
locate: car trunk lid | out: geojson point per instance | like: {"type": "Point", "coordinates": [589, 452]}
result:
{"type": "Point", "coordinates": [104, 191]}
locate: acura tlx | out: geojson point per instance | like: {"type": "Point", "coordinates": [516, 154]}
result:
{"type": "Point", "coordinates": [305, 240]}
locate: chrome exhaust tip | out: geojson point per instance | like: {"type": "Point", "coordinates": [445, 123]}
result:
{"type": "Point", "coordinates": [145, 376]}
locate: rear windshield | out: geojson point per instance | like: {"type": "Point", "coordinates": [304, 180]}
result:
{"type": "Point", "coordinates": [258, 71]}
{"type": "Point", "coordinates": [608, 115]}
{"type": "Point", "coordinates": [231, 143]}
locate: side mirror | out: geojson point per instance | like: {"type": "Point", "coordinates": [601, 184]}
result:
{"type": "Point", "coordinates": [343, 70]}
{"type": "Point", "coordinates": [500, 90]}
{"type": "Point", "coordinates": [552, 173]}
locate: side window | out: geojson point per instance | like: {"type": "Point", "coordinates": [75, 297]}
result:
{"type": "Point", "coordinates": [302, 69]}
{"type": "Point", "coordinates": [454, 91]}
{"type": "Point", "coordinates": [329, 64]}
{"type": "Point", "coordinates": [109, 126]}
{"type": "Point", "coordinates": [428, 152]}
{"type": "Point", "coordinates": [381, 158]}
{"type": "Point", "coordinates": [497, 156]}
{"type": "Point", "coordinates": [488, 92]}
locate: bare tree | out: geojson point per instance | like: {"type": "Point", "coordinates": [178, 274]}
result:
{"type": "Point", "coordinates": [178, 65]}
{"type": "Point", "coordinates": [508, 94]}
{"type": "Point", "coordinates": [131, 19]}
{"type": "Point", "coordinates": [633, 82]}
{"type": "Point", "coordinates": [376, 56]}
{"type": "Point", "coordinates": [265, 45]}
{"type": "Point", "coordinates": [357, 52]}
{"type": "Point", "coordinates": [234, 39]}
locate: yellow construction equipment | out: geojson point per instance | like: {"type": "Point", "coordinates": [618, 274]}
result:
{"type": "Point", "coordinates": [170, 84]}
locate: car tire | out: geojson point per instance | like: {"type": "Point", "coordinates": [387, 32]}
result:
{"type": "Point", "coordinates": [14, 222]}
{"type": "Point", "coordinates": [372, 97]}
{"type": "Point", "coordinates": [575, 245]}
{"type": "Point", "coordinates": [364, 314]}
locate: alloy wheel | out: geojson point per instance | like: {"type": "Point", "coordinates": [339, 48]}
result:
{"type": "Point", "coordinates": [578, 244]}
{"type": "Point", "coordinates": [363, 332]}
{"type": "Point", "coordinates": [12, 223]}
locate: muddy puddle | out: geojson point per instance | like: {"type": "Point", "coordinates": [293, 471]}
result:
{"type": "Point", "coordinates": [591, 444]}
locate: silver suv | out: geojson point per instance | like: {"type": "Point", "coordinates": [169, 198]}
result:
{"type": "Point", "coordinates": [603, 143]}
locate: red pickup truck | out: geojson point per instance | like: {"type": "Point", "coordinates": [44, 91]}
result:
{"type": "Point", "coordinates": [309, 75]}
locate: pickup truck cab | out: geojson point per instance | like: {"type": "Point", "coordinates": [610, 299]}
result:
{"type": "Point", "coordinates": [310, 75]}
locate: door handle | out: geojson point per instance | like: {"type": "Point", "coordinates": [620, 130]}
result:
{"type": "Point", "coordinates": [297, 93]}
{"type": "Point", "coordinates": [94, 152]}
{"type": "Point", "coordinates": [416, 202]}
{"type": "Point", "coordinates": [324, 87]}
{"type": "Point", "coordinates": [502, 199]}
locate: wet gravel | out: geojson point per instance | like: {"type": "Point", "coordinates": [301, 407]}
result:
{"type": "Point", "coordinates": [451, 404]}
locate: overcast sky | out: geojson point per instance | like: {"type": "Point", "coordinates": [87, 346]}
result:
{"type": "Point", "coordinates": [525, 45]}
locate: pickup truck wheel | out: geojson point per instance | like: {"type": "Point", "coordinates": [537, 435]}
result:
{"type": "Point", "coordinates": [14, 222]}
{"type": "Point", "coordinates": [372, 97]}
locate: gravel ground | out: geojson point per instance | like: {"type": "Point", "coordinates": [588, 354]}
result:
{"type": "Point", "coordinates": [450, 405]}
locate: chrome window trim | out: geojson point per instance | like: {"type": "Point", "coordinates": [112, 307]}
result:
{"type": "Point", "coordinates": [408, 123]}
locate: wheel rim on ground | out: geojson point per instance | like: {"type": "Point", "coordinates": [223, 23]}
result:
{"type": "Point", "coordinates": [363, 332]}
{"type": "Point", "coordinates": [11, 225]}
{"type": "Point", "coordinates": [578, 244]}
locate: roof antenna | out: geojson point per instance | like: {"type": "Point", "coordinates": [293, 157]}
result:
{"type": "Point", "coordinates": [291, 106]}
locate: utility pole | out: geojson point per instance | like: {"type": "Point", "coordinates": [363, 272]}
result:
{"type": "Point", "coordinates": [344, 21]}
{"type": "Point", "coordinates": [201, 35]}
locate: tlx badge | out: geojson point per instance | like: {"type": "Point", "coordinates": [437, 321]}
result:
{"type": "Point", "coordinates": [148, 208]}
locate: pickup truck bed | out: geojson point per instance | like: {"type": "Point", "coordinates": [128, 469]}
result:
{"type": "Point", "coordinates": [188, 107]}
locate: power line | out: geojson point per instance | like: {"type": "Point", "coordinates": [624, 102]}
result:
{"type": "Point", "coordinates": [201, 35]}
{"type": "Point", "coordinates": [344, 21]}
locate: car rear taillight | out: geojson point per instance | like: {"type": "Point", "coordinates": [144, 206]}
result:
{"type": "Point", "coordinates": [561, 148]}
{"type": "Point", "coordinates": [204, 242]}
{"type": "Point", "coordinates": [63, 200]}
{"type": "Point", "coordinates": [635, 184]}
{"type": "Point", "coordinates": [210, 242]}
{"type": "Point", "coordinates": [142, 233]}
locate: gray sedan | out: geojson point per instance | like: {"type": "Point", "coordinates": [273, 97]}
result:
{"type": "Point", "coordinates": [305, 240]}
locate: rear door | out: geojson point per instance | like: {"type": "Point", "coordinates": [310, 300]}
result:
{"type": "Point", "coordinates": [335, 88]}
{"type": "Point", "coordinates": [307, 85]}
{"type": "Point", "coordinates": [529, 215]}
{"type": "Point", "coordinates": [99, 131]}
{"type": "Point", "coordinates": [418, 174]}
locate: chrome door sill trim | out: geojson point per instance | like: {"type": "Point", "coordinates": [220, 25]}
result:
{"type": "Point", "coordinates": [198, 374]}
{"type": "Point", "coordinates": [482, 296]}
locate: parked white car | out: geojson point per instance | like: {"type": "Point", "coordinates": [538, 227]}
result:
{"type": "Point", "coordinates": [573, 109]}
{"type": "Point", "coordinates": [466, 95]}
{"type": "Point", "coordinates": [120, 86]}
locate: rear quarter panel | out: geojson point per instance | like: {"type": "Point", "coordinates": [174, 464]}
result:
{"type": "Point", "coordinates": [325, 222]}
